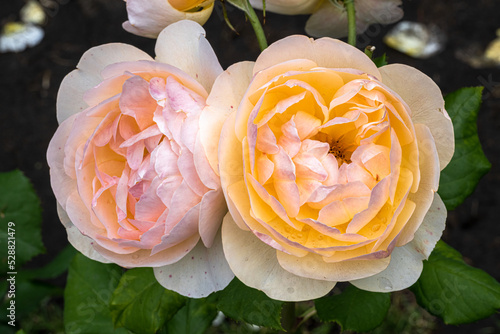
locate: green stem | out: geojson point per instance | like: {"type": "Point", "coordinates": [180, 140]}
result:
{"type": "Point", "coordinates": [257, 27]}
{"type": "Point", "coordinates": [288, 317]}
{"type": "Point", "coordinates": [351, 19]}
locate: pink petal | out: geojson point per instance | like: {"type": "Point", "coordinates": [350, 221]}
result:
{"type": "Point", "coordinates": [136, 101]}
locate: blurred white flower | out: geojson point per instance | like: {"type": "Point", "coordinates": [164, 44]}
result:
{"type": "Point", "coordinates": [17, 36]}
{"type": "Point", "coordinates": [33, 12]}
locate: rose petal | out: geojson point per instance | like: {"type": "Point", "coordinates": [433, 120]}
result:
{"type": "Point", "coordinates": [184, 46]}
{"type": "Point", "coordinates": [426, 103]}
{"type": "Point", "coordinates": [88, 74]}
{"type": "Point", "coordinates": [320, 51]}
{"type": "Point", "coordinates": [199, 273]}
{"type": "Point", "coordinates": [256, 265]}
{"type": "Point", "coordinates": [148, 17]}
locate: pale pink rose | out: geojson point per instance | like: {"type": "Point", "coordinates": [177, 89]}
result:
{"type": "Point", "coordinates": [330, 169]}
{"type": "Point", "coordinates": [329, 18]}
{"type": "Point", "coordinates": [148, 17]}
{"type": "Point", "coordinates": [131, 175]}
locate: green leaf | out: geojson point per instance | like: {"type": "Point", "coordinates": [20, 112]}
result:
{"type": "Point", "coordinates": [455, 291]}
{"type": "Point", "coordinates": [459, 179]}
{"type": "Point", "coordinates": [141, 304]}
{"type": "Point", "coordinates": [87, 295]}
{"type": "Point", "coordinates": [354, 309]}
{"type": "Point", "coordinates": [7, 329]}
{"type": "Point", "coordinates": [20, 218]}
{"type": "Point", "coordinates": [242, 303]}
{"type": "Point", "coordinates": [193, 318]}
{"type": "Point", "coordinates": [28, 296]}
{"type": "Point", "coordinates": [380, 61]}
{"type": "Point", "coordinates": [55, 268]}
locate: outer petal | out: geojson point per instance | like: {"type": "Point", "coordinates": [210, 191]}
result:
{"type": "Point", "coordinates": [212, 211]}
{"type": "Point", "coordinates": [312, 266]}
{"type": "Point", "coordinates": [143, 257]}
{"type": "Point", "coordinates": [183, 45]}
{"type": "Point", "coordinates": [429, 183]}
{"type": "Point", "coordinates": [199, 273]}
{"type": "Point", "coordinates": [230, 162]}
{"type": "Point", "coordinates": [325, 52]}
{"type": "Point", "coordinates": [431, 229]}
{"type": "Point", "coordinates": [88, 75]}
{"type": "Point", "coordinates": [406, 262]}
{"type": "Point", "coordinates": [288, 7]}
{"type": "Point", "coordinates": [62, 184]}
{"type": "Point", "coordinates": [404, 270]}
{"type": "Point", "coordinates": [227, 92]}
{"type": "Point", "coordinates": [426, 103]}
{"type": "Point", "coordinates": [148, 17]}
{"type": "Point", "coordinates": [255, 264]}
{"type": "Point", "coordinates": [81, 243]}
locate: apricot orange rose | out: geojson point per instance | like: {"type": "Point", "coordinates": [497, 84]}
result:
{"type": "Point", "coordinates": [132, 179]}
{"type": "Point", "coordinates": [330, 169]}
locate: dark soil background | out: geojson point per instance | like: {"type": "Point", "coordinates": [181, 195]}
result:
{"type": "Point", "coordinates": [29, 82]}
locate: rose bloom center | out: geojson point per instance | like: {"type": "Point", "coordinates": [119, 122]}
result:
{"type": "Point", "coordinates": [331, 161]}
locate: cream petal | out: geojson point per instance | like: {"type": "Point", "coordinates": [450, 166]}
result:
{"type": "Point", "coordinates": [199, 273]}
{"type": "Point", "coordinates": [205, 171]}
{"type": "Point", "coordinates": [312, 266]}
{"type": "Point", "coordinates": [88, 75]}
{"type": "Point", "coordinates": [62, 185]}
{"type": "Point", "coordinates": [287, 7]}
{"type": "Point", "coordinates": [212, 211]}
{"type": "Point", "coordinates": [325, 52]}
{"type": "Point", "coordinates": [256, 265]}
{"type": "Point", "coordinates": [431, 229]}
{"type": "Point", "coordinates": [403, 271]}
{"type": "Point", "coordinates": [81, 242]}
{"type": "Point", "coordinates": [426, 103]}
{"type": "Point", "coordinates": [226, 94]}
{"type": "Point", "coordinates": [148, 17]}
{"type": "Point", "coordinates": [231, 169]}
{"type": "Point", "coordinates": [429, 183]}
{"type": "Point", "coordinates": [183, 45]}
{"type": "Point", "coordinates": [143, 257]}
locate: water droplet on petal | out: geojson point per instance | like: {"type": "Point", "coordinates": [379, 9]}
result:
{"type": "Point", "coordinates": [384, 284]}
{"type": "Point", "coordinates": [376, 227]}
